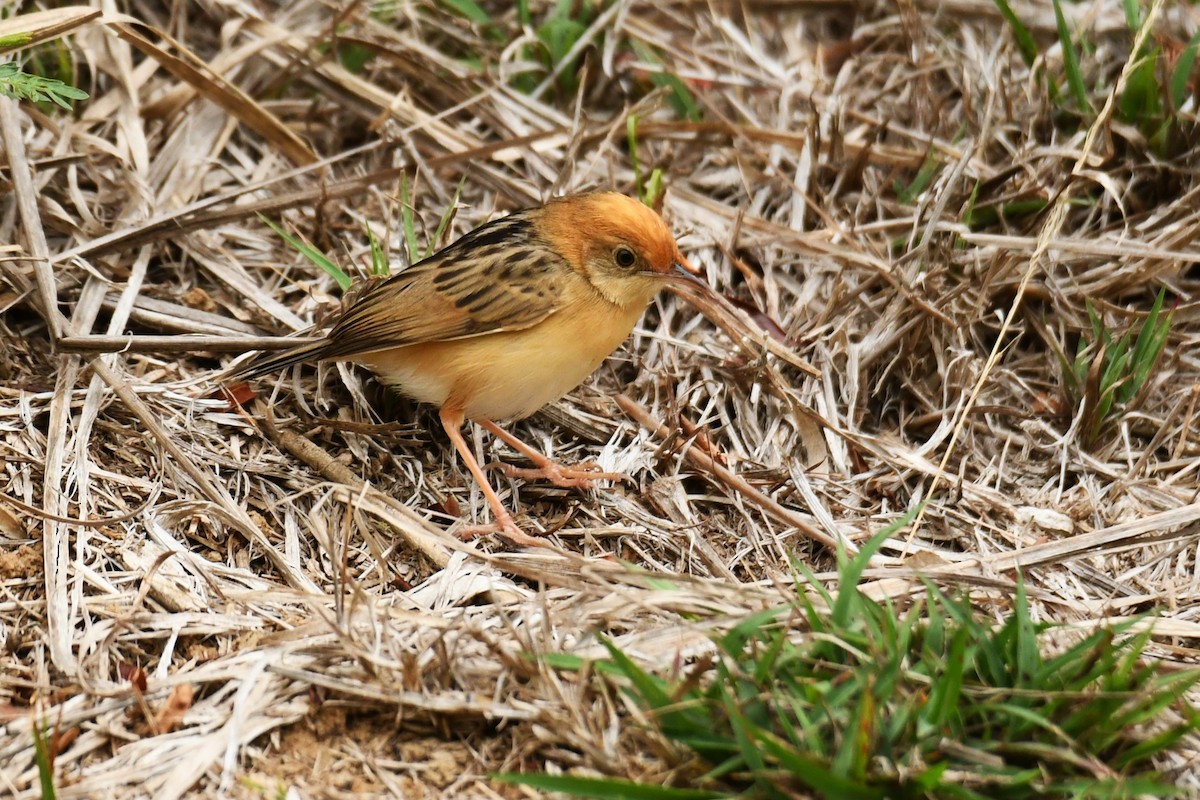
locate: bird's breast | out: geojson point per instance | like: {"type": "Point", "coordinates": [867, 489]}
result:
{"type": "Point", "coordinates": [509, 374]}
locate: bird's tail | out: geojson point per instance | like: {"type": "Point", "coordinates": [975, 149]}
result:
{"type": "Point", "coordinates": [267, 362]}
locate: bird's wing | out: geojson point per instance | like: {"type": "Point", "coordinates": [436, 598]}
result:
{"type": "Point", "coordinates": [498, 277]}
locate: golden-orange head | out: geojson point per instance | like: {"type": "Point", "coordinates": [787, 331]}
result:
{"type": "Point", "coordinates": [622, 247]}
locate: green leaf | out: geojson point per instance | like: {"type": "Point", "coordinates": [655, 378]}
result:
{"type": "Point", "coordinates": [379, 262]}
{"type": "Point", "coordinates": [654, 188]}
{"type": "Point", "coordinates": [1151, 340]}
{"type": "Point", "coordinates": [407, 215]}
{"type": "Point", "coordinates": [469, 9]}
{"type": "Point", "coordinates": [813, 773]}
{"type": "Point", "coordinates": [1183, 71]}
{"type": "Point", "coordinates": [15, 41]}
{"type": "Point", "coordinates": [312, 254]}
{"type": "Point", "coordinates": [1140, 102]}
{"type": "Point", "coordinates": [850, 572]}
{"type": "Point", "coordinates": [447, 216]}
{"type": "Point", "coordinates": [649, 687]}
{"type": "Point", "coordinates": [925, 175]}
{"type": "Point", "coordinates": [606, 788]}
{"type": "Point", "coordinates": [22, 86]}
{"type": "Point", "coordinates": [631, 140]}
{"type": "Point", "coordinates": [1024, 39]}
{"type": "Point", "coordinates": [1071, 60]}
{"type": "Point", "coordinates": [43, 759]}
{"type": "Point", "coordinates": [680, 98]}
{"type": "Point", "coordinates": [1133, 14]}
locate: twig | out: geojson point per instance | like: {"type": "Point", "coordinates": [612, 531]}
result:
{"type": "Point", "coordinates": [236, 514]}
{"type": "Point", "coordinates": [178, 343]}
{"type": "Point", "coordinates": [418, 533]}
{"type": "Point", "coordinates": [705, 462]}
{"type": "Point", "coordinates": [31, 221]}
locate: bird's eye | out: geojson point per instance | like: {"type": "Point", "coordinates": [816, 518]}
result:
{"type": "Point", "coordinates": [624, 257]}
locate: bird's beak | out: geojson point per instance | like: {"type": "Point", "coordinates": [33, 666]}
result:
{"type": "Point", "coordinates": [685, 273]}
{"type": "Point", "coordinates": [685, 266]}
{"type": "Point", "coordinates": [682, 272]}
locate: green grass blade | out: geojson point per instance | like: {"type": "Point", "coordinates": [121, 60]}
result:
{"type": "Point", "coordinates": [681, 99]}
{"type": "Point", "coordinates": [1025, 43]}
{"type": "Point", "coordinates": [735, 639]}
{"type": "Point", "coordinates": [1151, 340]}
{"type": "Point", "coordinates": [44, 761]}
{"type": "Point", "coordinates": [1144, 345]}
{"type": "Point", "coordinates": [854, 755]}
{"type": "Point", "coordinates": [1028, 654]}
{"type": "Point", "coordinates": [848, 598]}
{"type": "Point", "coordinates": [940, 711]}
{"type": "Point", "coordinates": [1183, 71]}
{"type": "Point", "coordinates": [379, 262]}
{"type": "Point", "coordinates": [826, 782]}
{"type": "Point", "coordinates": [654, 188]}
{"type": "Point", "coordinates": [447, 216]}
{"type": "Point", "coordinates": [1156, 744]}
{"type": "Point", "coordinates": [604, 788]}
{"type": "Point", "coordinates": [1133, 14]}
{"type": "Point", "coordinates": [15, 41]}
{"type": "Point", "coordinates": [631, 140]}
{"type": "Point", "coordinates": [925, 175]}
{"type": "Point", "coordinates": [1116, 362]}
{"type": "Point", "coordinates": [649, 687]}
{"type": "Point", "coordinates": [407, 220]}
{"type": "Point", "coordinates": [469, 9]}
{"type": "Point", "coordinates": [1071, 60]}
{"type": "Point", "coordinates": [312, 254]}
{"type": "Point", "coordinates": [1141, 100]}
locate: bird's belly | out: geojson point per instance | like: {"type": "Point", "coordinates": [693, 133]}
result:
{"type": "Point", "coordinates": [506, 375]}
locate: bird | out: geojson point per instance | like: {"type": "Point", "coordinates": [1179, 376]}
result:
{"type": "Point", "coordinates": [503, 321]}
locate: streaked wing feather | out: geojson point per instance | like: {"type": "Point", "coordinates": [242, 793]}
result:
{"type": "Point", "coordinates": [498, 277]}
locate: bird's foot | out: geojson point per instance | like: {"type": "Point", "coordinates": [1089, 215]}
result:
{"type": "Point", "coordinates": [504, 527]}
{"type": "Point", "coordinates": [578, 476]}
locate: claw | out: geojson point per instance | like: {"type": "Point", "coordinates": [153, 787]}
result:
{"type": "Point", "coordinates": [504, 527]}
{"type": "Point", "coordinates": [579, 476]}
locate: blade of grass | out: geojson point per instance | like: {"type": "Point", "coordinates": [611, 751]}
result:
{"type": "Point", "coordinates": [680, 97]}
{"type": "Point", "coordinates": [406, 216]}
{"type": "Point", "coordinates": [1133, 14]}
{"type": "Point", "coordinates": [44, 760]}
{"type": "Point", "coordinates": [379, 262]}
{"type": "Point", "coordinates": [1183, 71]}
{"type": "Point", "coordinates": [647, 685]}
{"type": "Point", "coordinates": [1149, 345]}
{"type": "Point", "coordinates": [848, 595]}
{"type": "Point", "coordinates": [469, 9]}
{"type": "Point", "coordinates": [828, 783]}
{"type": "Point", "coordinates": [1071, 60]}
{"type": "Point", "coordinates": [312, 254]}
{"type": "Point", "coordinates": [1025, 43]}
{"type": "Point", "coordinates": [447, 216]}
{"type": "Point", "coordinates": [605, 788]}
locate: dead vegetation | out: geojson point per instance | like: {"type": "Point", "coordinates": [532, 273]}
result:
{"type": "Point", "coordinates": [286, 568]}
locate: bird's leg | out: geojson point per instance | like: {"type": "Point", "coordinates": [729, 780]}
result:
{"type": "Point", "coordinates": [452, 421]}
{"type": "Point", "coordinates": [580, 475]}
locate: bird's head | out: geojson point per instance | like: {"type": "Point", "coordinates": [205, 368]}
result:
{"type": "Point", "coordinates": [623, 248]}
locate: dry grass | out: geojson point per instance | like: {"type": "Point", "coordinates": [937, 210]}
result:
{"type": "Point", "coordinates": [282, 582]}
